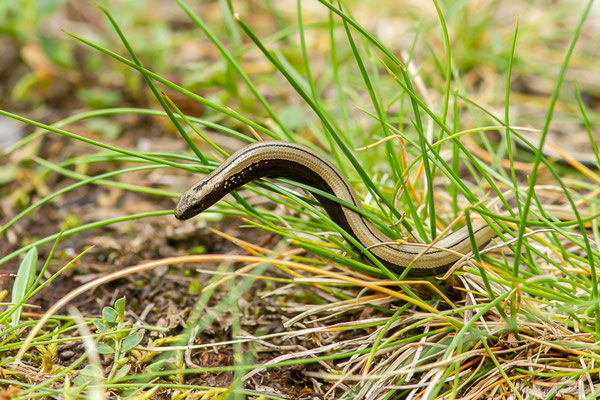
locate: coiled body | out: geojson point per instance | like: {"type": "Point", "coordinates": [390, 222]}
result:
{"type": "Point", "coordinates": [299, 163]}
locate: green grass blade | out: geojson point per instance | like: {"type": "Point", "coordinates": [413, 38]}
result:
{"type": "Point", "coordinates": [23, 281]}
{"type": "Point", "coordinates": [83, 228]}
{"type": "Point", "coordinates": [538, 153]}
{"type": "Point", "coordinates": [94, 142]}
{"type": "Point", "coordinates": [224, 110]}
{"type": "Point", "coordinates": [153, 88]}
{"type": "Point", "coordinates": [235, 65]}
{"type": "Point", "coordinates": [327, 123]}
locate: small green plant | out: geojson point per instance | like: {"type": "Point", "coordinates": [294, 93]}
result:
{"type": "Point", "coordinates": [117, 338]}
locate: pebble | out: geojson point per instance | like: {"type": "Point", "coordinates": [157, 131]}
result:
{"type": "Point", "coordinates": [10, 132]}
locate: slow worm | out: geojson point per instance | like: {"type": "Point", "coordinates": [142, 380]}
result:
{"type": "Point", "coordinates": [301, 164]}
